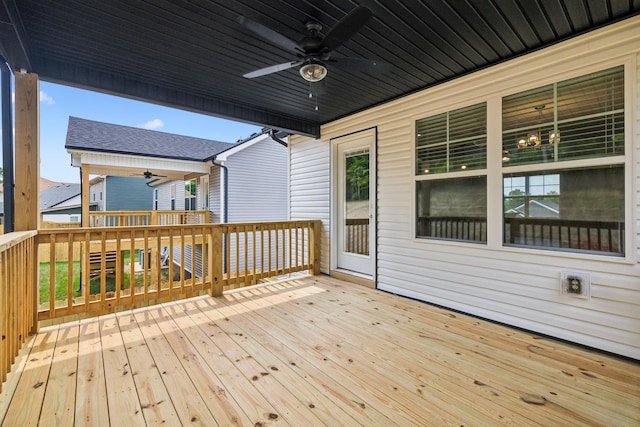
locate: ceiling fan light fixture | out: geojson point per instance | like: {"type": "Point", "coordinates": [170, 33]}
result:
{"type": "Point", "coordinates": [313, 71]}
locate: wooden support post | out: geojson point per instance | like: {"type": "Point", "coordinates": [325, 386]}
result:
{"type": "Point", "coordinates": [85, 195]}
{"type": "Point", "coordinates": [215, 261]}
{"type": "Point", "coordinates": [27, 152]}
{"type": "Point", "coordinates": [314, 246]}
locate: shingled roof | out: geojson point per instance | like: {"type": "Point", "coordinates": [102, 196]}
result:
{"type": "Point", "coordinates": [91, 135]}
{"type": "Point", "coordinates": [53, 196]}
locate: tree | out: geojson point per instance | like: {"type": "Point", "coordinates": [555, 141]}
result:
{"type": "Point", "coordinates": [357, 176]}
{"type": "Point", "coordinates": [514, 199]}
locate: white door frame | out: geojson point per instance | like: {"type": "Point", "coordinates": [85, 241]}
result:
{"type": "Point", "coordinates": [369, 138]}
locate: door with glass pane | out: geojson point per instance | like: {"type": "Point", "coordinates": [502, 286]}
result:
{"type": "Point", "coordinates": [355, 202]}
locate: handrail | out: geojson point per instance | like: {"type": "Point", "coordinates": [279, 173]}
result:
{"type": "Point", "coordinates": [152, 217]}
{"type": "Point", "coordinates": [108, 269]}
{"type": "Point", "coordinates": [18, 291]}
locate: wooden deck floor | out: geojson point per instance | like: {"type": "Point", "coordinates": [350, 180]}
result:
{"type": "Point", "coordinates": [313, 351]}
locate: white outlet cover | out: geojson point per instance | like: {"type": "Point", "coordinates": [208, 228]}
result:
{"type": "Point", "coordinates": [585, 278]}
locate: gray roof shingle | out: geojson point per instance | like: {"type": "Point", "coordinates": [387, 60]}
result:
{"type": "Point", "coordinates": [53, 196]}
{"type": "Point", "coordinates": [91, 135]}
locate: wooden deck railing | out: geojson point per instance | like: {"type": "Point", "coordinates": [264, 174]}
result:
{"type": "Point", "coordinates": [597, 236]}
{"type": "Point", "coordinates": [18, 293]}
{"type": "Point", "coordinates": [357, 233]}
{"type": "Point", "coordinates": [92, 271]}
{"type": "Point", "coordinates": [454, 228]}
{"type": "Point", "coordinates": [138, 218]}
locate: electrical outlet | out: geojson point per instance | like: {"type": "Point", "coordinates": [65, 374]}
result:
{"type": "Point", "coordinates": [576, 284]}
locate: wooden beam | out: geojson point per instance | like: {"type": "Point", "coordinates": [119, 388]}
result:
{"type": "Point", "coordinates": [27, 152]}
{"type": "Point", "coordinates": [315, 244]}
{"type": "Point", "coordinates": [85, 195]}
{"type": "Point", "coordinates": [215, 262]}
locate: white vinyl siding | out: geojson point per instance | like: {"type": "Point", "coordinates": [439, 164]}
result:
{"type": "Point", "coordinates": [517, 286]}
{"type": "Point", "coordinates": [258, 182]}
{"type": "Point", "coordinates": [258, 189]}
{"type": "Point", "coordinates": [217, 191]}
{"type": "Point", "coordinates": [310, 187]}
{"type": "Point", "coordinates": [164, 196]}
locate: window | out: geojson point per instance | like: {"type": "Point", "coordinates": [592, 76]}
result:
{"type": "Point", "coordinates": [190, 195]}
{"type": "Point", "coordinates": [172, 193]}
{"type": "Point", "coordinates": [580, 118]}
{"type": "Point", "coordinates": [451, 183]}
{"type": "Point", "coordinates": [566, 208]}
{"type": "Point", "coordinates": [155, 198]}
{"type": "Point", "coordinates": [453, 209]}
{"type": "Point", "coordinates": [563, 169]}
{"type": "Point", "coordinates": [452, 141]}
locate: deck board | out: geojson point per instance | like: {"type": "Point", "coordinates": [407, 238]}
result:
{"type": "Point", "coordinates": [312, 351]}
{"type": "Point", "coordinates": [92, 408]}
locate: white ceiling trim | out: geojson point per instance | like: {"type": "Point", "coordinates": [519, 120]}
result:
{"type": "Point", "coordinates": [124, 165]}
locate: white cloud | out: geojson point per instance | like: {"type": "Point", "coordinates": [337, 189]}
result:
{"type": "Point", "coordinates": [152, 124]}
{"type": "Point", "coordinates": [46, 98]}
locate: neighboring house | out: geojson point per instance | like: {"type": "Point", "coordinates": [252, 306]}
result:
{"type": "Point", "coordinates": [61, 202]}
{"type": "Point", "coordinates": [247, 181]}
{"type": "Point", "coordinates": [242, 181]}
{"type": "Point", "coordinates": [120, 193]}
{"type": "Point", "coordinates": [536, 209]}
{"type": "Point", "coordinates": [236, 182]}
{"type": "Point", "coordinates": [561, 121]}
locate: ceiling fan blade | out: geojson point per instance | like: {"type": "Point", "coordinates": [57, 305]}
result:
{"type": "Point", "coordinates": [346, 27]}
{"type": "Point", "coordinates": [361, 64]}
{"type": "Point", "coordinates": [268, 34]}
{"type": "Point", "coordinates": [271, 69]}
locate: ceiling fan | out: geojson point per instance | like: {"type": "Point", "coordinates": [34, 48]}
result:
{"type": "Point", "coordinates": [148, 175]}
{"type": "Point", "coordinates": [313, 51]}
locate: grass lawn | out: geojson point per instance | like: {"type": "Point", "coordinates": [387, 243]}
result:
{"type": "Point", "coordinates": [62, 280]}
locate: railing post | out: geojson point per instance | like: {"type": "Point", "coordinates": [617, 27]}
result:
{"type": "Point", "coordinates": [33, 279]}
{"type": "Point", "coordinates": [315, 228]}
{"type": "Point", "coordinates": [215, 261]}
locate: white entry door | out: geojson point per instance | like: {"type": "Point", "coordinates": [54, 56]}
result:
{"type": "Point", "coordinates": [355, 202]}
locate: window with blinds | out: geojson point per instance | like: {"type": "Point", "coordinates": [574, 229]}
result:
{"type": "Point", "coordinates": [580, 209]}
{"type": "Point", "coordinates": [454, 206]}
{"type": "Point", "coordinates": [452, 141]}
{"type": "Point", "coordinates": [577, 207]}
{"type": "Point", "coordinates": [574, 119]}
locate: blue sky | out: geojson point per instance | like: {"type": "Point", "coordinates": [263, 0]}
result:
{"type": "Point", "coordinates": [58, 102]}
